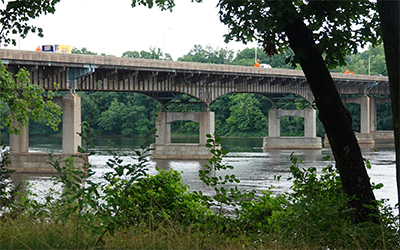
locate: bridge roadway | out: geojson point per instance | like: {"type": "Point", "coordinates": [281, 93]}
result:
{"type": "Point", "coordinates": [164, 80]}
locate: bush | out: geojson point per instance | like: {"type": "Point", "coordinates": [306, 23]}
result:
{"type": "Point", "coordinates": [164, 197]}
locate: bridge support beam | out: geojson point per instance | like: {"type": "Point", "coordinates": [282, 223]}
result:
{"type": "Point", "coordinates": [19, 143]}
{"type": "Point", "coordinates": [24, 162]}
{"type": "Point", "coordinates": [310, 123]}
{"type": "Point", "coordinates": [382, 138]}
{"type": "Point", "coordinates": [164, 149]}
{"type": "Point", "coordinates": [373, 114]}
{"type": "Point", "coordinates": [365, 115]}
{"type": "Point", "coordinates": [365, 136]}
{"type": "Point", "coordinates": [71, 123]}
{"type": "Point", "coordinates": [369, 133]}
{"type": "Point", "coordinates": [367, 120]}
{"type": "Point", "coordinates": [275, 141]}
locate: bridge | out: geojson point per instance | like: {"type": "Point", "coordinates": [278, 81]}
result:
{"type": "Point", "coordinates": [168, 80]}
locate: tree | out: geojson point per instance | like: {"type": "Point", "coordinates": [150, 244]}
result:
{"type": "Point", "coordinates": [120, 113]}
{"type": "Point", "coordinates": [373, 58]}
{"type": "Point", "coordinates": [245, 115]}
{"type": "Point", "coordinates": [123, 119]}
{"type": "Point", "coordinates": [16, 15]}
{"type": "Point", "coordinates": [389, 12]}
{"type": "Point", "coordinates": [25, 100]}
{"type": "Point", "coordinates": [246, 58]}
{"type": "Point", "coordinates": [321, 34]}
{"type": "Point", "coordinates": [84, 51]}
{"type": "Point", "coordinates": [208, 55]}
{"type": "Point", "coordinates": [155, 54]}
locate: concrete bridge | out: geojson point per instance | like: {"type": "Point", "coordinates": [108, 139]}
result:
{"type": "Point", "coordinates": [167, 80]}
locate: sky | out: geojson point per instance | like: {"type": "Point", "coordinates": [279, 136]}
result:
{"type": "Point", "coordinates": [113, 27]}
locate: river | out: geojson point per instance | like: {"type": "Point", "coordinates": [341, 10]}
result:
{"type": "Point", "coordinates": [255, 168]}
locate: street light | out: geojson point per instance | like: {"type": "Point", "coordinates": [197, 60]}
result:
{"type": "Point", "coordinates": [369, 64]}
{"type": "Point", "coordinates": [255, 54]}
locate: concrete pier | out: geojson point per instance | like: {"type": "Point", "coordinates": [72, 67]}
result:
{"type": "Point", "coordinates": [25, 162]}
{"type": "Point", "coordinates": [369, 135]}
{"type": "Point", "coordinates": [275, 141]}
{"type": "Point", "coordinates": [164, 149]}
{"type": "Point", "coordinates": [71, 123]}
{"type": "Point", "coordinates": [19, 143]}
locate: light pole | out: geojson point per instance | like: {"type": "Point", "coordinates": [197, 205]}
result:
{"type": "Point", "coordinates": [255, 54]}
{"type": "Point", "coordinates": [369, 64]}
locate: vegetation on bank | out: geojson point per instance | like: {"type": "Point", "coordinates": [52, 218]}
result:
{"type": "Point", "coordinates": [129, 209]}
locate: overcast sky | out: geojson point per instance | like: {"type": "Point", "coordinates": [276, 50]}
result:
{"type": "Point", "coordinates": [113, 27]}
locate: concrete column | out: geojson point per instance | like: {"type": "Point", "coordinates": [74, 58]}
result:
{"type": "Point", "coordinates": [310, 123]}
{"type": "Point", "coordinates": [163, 132]}
{"type": "Point", "coordinates": [274, 123]}
{"type": "Point", "coordinates": [373, 122]}
{"type": "Point", "coordinates": [365, 115]}
{"type": "Point", "coordinates": [19, 143]}
{"type": "Point", "coordinates": [206, 126]}
{"type": "Point", "coordinates": [71, 123]}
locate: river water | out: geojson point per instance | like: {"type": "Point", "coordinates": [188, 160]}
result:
{"type": "Point", "coordinates": [255, 168]}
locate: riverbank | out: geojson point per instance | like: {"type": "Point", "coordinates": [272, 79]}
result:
{"type": "Point", "coordinates": [160, 212]}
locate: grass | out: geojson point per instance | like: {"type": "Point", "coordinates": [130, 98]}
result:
{"type": "Point", "coordinates": [30, 232]}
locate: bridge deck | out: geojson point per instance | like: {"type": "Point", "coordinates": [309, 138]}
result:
{"type": "Point", "coordinates": [203, 81]}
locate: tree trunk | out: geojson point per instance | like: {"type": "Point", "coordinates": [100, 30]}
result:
{"type": "Point", "coordinates": [389, 12]}
{"type": "Point", "coordinates": [337, 122]}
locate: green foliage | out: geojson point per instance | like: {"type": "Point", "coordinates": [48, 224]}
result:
{"type": "Point", "coordinates": [235, 109]}
{"type": "Point", "coordinates": [185, 128]}
{"type": "Point", "coordinates": [84, 51]}
{"type": "Point", "coordinates": [208, 55]}
{"type": "Point", "coordinates": [25, 101]}
{"type": "Point", "coordinates": [221, 108]}
{"type": "Point", "coordinates": [79, 196]}
{"type": "Point", "coordinates": [40, 128]}
{"type": "Point", "coordinates": [8, 191]}
{"type": "Point", "coordinates": [154, 54]}
{"type": "Point", "coordinates": [384, 116]}
{"type": "Point", "coordinates": [245, 115]}
{"type": "Point", "coordinates": [127, 196]}
{"type": "Point", "coordinates": [318, 213]}
{"type": "Point", "coordinates": [163, 198]}
{"type": "Point", "coordinates": [119, 118]}
{"type": "Point", "coordinates": [292, 126]}
{"type": "Point", "coordinates": [354, 110]}
{"type": "Point", "coordinates": [130, 204]}
{"type": "Point", "coordinates": [16, 15]}
{"type": "Point", "coordinates": [121, 113]}
{"type": "Point", "coordinates": [223, 196]}
{"type": "Point", "coordinates": [265, 23]}
{"type": "Point", "coordinates": [359, 63]}
{"type": "Point", "coordinates": [246, 57]}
